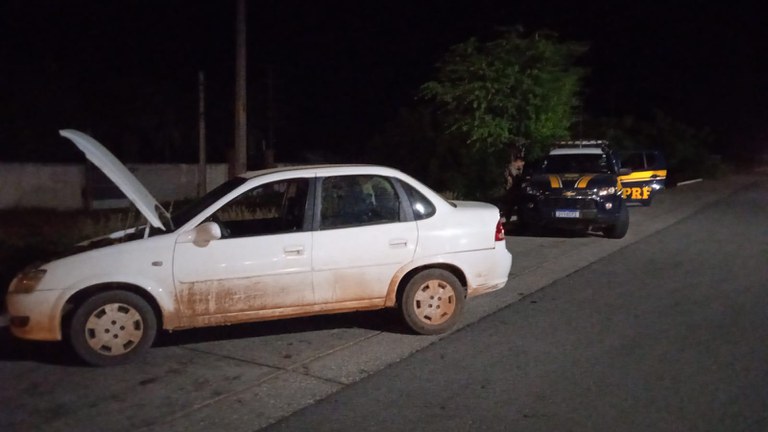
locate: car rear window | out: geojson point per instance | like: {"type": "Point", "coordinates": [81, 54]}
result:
{"type": "Point", "coordinates": [422, 207]}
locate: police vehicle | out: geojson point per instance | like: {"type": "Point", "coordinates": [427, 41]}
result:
{"type": "Point", "coordinates": [578, 187]}
{"type": "Point", "coordinates": [648, 176]}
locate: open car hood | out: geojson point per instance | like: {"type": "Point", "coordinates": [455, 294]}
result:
{"type": "Point", "coordinates": [118, 173]}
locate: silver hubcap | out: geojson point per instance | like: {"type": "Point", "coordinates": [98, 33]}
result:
{"type": "Point", "coordinates": [434, 302]}
{"type": "Point", "coordinates": [114, 329]}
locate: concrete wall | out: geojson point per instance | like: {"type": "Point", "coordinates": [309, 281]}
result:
{"type": "Point", "coordinates": [36, 185]}
{"type": "Point", "coordinates": [61, 186]}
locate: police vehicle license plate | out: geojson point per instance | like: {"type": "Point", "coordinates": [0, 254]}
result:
{"type": "Point", "coordinates": [566, 213]}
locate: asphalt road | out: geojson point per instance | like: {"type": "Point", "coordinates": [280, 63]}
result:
{"type": "Point", "coordinates": [242, 378]}
{"type": "Point", "coordinates": [667, 334]}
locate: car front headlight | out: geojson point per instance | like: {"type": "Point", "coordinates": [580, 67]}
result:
{"type": "Point", "coordinates": [603, 191]}
{"type": "Point", "coordinates": [26, 281]}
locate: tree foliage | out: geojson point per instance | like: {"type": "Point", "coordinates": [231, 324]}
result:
{"type": "Point", "coordinates": [513, 91]}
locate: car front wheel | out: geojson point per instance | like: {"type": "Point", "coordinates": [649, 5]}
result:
{"type": "Point", "coordinates": [432, 302]}
{"type": "Point", "coordinates": [620, 228]}
{"type": "Point", "coordinates": [111, 328]}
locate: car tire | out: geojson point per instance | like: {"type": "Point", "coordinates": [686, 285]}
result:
{"type": "Point", "coordinates": [432, 302]}
{"type": "Point", "coordinates": [620, 228]}
{"type": "Point", "coordinates": [112, 328]}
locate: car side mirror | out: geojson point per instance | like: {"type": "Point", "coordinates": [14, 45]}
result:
{"type": "Point", "coordinates": [202, 234]}
{"type": "Point", "coordinates": [625, 171]}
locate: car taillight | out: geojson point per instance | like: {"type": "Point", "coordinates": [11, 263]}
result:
{"type": "Point", "coordinates": [499, 231]}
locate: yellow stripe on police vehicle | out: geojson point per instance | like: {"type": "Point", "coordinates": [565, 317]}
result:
{"type": "Point", "coordinates": [636, 183]}
{"type": "Point", "coordinates": [584, 181]}
{"type": "Point", "coordinates": [644, 176]}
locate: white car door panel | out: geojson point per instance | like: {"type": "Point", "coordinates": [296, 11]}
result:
{"type": "Point", "coordinates": [255, 256]}
{"type": "Point", "coordinates": [244, 274]}
{"type": "Point", "coordinates": [361, 241]}
{"type": "Point", "coordinates": [358, 263]}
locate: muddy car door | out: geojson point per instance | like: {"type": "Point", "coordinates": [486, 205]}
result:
{"type": "Point", "coordinates": [648, 176]}
{"type": "Point", "coordinates": [260, 263]}
{"type": "Point", "coordinates": [363, 238]}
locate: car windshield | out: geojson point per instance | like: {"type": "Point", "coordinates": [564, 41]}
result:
{"type": "Point", "coordinates": [185, 214]}
{"type": "Point", "coordinates": [576, 163]}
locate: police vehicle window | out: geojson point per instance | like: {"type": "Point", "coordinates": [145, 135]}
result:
{"type": "Point", "coordinates": [273, 208]}
{"type": "Point", "coordinates": [633, 161]}
{"type": "Point", "coordinates": [651, 160]}
{"type": "Point", "coordinates": [422, 207]}
{"type": "Point", "coordinates": [348, 201]}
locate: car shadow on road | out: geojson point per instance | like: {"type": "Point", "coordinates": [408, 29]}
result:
{"type": "Point", "coordinates": [385, 321]}
{"type": "Point", "coordinates": [59, 353]}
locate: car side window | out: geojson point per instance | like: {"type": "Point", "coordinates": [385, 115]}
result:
{"type": "Point", "coordinates": [354, 200]}
{"type": "Point", "coordinates": [272, 208]}
{"type": "Point", "coordinates": [422, 207]}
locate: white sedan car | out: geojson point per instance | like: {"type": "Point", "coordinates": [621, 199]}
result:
{"type": "Point", "coordinates": [269, 244]}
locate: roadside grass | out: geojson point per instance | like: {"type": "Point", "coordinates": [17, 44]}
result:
{"type": "Point", "coordinates": [33, 235]}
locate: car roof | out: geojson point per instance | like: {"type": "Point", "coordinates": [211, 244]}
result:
{"type": "Point", "coordinates": [321, 168]}
{"type": "Point", "coordinates": [580, 150]}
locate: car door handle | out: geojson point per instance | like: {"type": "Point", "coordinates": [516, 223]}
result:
{"type": "Point", "coordinates": [655, 176]}
{"type": "Point", "coordinates": [294, 250]}
{"type": "Point", "coordinates": [398, 242]}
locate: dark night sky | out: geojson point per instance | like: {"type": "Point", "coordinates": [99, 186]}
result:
{"type": "Point", "coordinates": [342, 69]}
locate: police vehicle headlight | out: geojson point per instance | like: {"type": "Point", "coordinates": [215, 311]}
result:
{"type": "Point", "coordinates": [26, 281]}
{"type": "Point", "coordinates": [606, 191]}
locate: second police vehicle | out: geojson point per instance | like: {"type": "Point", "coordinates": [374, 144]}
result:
{"type": "Point", "coordinates": [579, 185]}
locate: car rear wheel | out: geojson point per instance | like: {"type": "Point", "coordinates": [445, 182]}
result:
{"type": "Point", "coordinates": [620, 228]}
{"type": "Point", "coordinates": [111, 328]}
{"type": "Point", "coordinates": [432, 302]}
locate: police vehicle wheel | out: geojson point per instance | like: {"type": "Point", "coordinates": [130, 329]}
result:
{"type": "Point", "coordinates": [620, 228]}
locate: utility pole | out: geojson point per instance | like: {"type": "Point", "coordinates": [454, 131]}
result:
{"type": "Point", "coordinates": [202, 170]}
{"type": "Point", "coordinates": [241, 136]}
